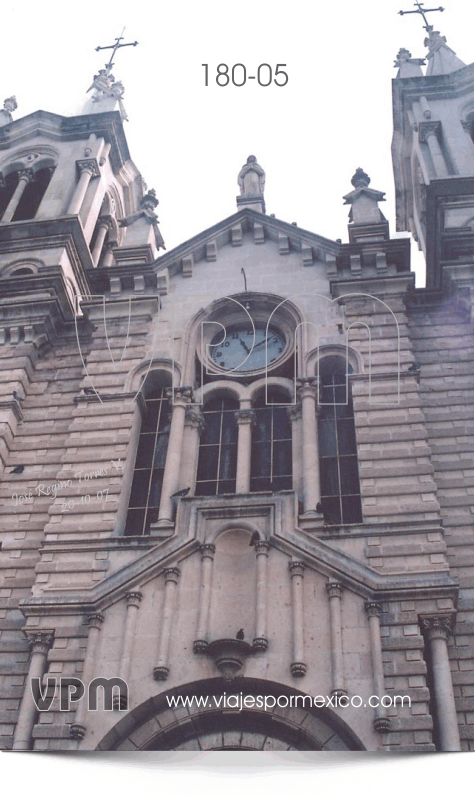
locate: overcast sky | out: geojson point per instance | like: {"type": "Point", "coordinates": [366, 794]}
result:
{"type": "Point", "coordinates": [190, 141]}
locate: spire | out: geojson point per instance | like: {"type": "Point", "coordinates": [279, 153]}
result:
{"type": "Point", "coordinates": [108, 92]}
{"type": "Point", "coordinates": [408, 67]}
{"type": "Point", "coordinates": [251, 181]}
{"type": "Point", "coordinates": [441, 59]}
{"type": "Point", "coordinates": [367, 222]}
{"type": "Point", "coordinates": [9, 105]}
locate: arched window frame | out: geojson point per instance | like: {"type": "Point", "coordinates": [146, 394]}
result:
{"type": "Point", "coordinates": [37, 166]}
{"type": "Point", "coordinates": [337, 450]}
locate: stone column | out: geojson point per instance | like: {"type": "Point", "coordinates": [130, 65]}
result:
{"type": "Point", "coordinates": [295, 416]}
{"type": "Point", "coordinates": [246, 418]}
{"type": "Point", "coordinates": [25, 176]}
{"type": "Point", "coordinates": [260, 641]}
{"type": "Point", "coordinates": [87, 169]}
{"type": "Point", "coordinates": [104, 226]}
{"type": "Point", "coordinates": [77, 730]}
{"type": "Point", "coordinates": [428, 131]}
{"type": "Point", "coordinates": [311, 466]}
{"type": "Point", "coordinates": [298, 666]}
{"type": "Point", "coordinates": [208, 551]}
{"type": "Point", "coordinates": [194, 425]}
{"type": "Point", "coordinates": [40, 643]}
{"type": "Point", "coordinates": [437, 629]}
{"type": "Point", "coordinates": [162, 669]}
{"type": "Point", "coordinates": [108, 259]}
{"type": "Point", "coordinates": [171, 474]}
{"type": "Point", "coordinates": [373, 610]}
{"type": "Point", "coordinates": [334, 591]}
{"type": "Point", "coordinates": [133, 602]}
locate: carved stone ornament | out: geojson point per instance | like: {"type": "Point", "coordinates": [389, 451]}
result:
{"type": "Point", "coordinates": [373, 608]}
{"type": "Point", "coordinates": [229, 656]}
{"type": "Point", "coordinates": [298, 669]}
{"type": "Point", "coordinates": [161, 673]}
{"type": "Point", "coordinates": [88, 165]}
{"type": "Point", "coordinates": [408, 67]}
{"type": "Point", "coordinates": [10, 104]}
{"type": "Point", "coordinates": [245, 416]}
{"type": "Point", "coordinates": [40, 641]}
{"type": "Point", "coordinates": [382, 725]}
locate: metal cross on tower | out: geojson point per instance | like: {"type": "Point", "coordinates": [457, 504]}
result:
{"type": "Point", "coordinates": [115, 47]}
{"type": "Point", "coordinates": [422, 11]}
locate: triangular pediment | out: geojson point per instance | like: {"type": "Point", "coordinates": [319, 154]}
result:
{"type": "Point", "coordinates": [246, 227]}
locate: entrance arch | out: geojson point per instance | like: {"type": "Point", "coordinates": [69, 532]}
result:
{"type": "Point", "coordinates": [207, 725]}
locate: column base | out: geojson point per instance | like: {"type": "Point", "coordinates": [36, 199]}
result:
{"type": "Point", "coordinates": [77, 731]}
{"type": "Point", "coordinates": [339, 693]}
{"type": "Point", "coordinates": [120, 702]}
{"type": "Point", "coordinates": [161, 673]}
{"type": "Point", "coordinates": [381, 724]}
{"type": "Point", "coordinates": [260, 644]}
{"type": "Point", "coordinates": [163, 525]}
{"type": "Point", "coordinates": [298, 669]}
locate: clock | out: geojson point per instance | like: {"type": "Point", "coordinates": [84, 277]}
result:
{"type": "Point", "coordinates": [240, 352]}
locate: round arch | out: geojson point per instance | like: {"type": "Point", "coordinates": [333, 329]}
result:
{"type": "Point", "coordinates": [288, 725]}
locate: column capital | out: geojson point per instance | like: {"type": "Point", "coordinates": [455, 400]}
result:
{"type": "Point", "coordinates": [427, 129]}
{"type": "Point", "coordinates": [26, 174]}
{"type": "Point", "coordinates": [40, 640]}
{"type": "Point", "coordinates": [295, 412]}
{"type": "Point", "coordinates": [245, 416]}
{"type": "Point", "coordinates": [373, 609]}
{"type": "Point", "coordinates": [309, 387]}
{"type": "Point", "coordinates": [105, 222]}
{"type": "Point", "coordinates": [89, 165]}
{"type": "Point", "coordinates": [180, 397]}
{"type": "Point", "coordinates": [172, 574]}
{"type": "Point", "coordinates": [95, 620]}
{"type": "Point", "coordinates": [194, 418]}
{"type": "Point", "coordinates": [208, 550]}
{"type": "Point", "coordinates": [437, 625]}
{"type": "Point", "coordinates": [134, 597]}
{"type": "Point", "coordinates": [296, 568]}
{"type": "Point", "coordinates": [261, 547]}
{"type": "Point", "coordinates": [334, 589]}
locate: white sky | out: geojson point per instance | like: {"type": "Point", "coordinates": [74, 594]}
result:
{"type": "Point", "coordinates": [190, 142]}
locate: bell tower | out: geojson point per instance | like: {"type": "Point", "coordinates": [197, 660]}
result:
{"type": "Point", "coordinates": [72, 202]}
{"type": "Point", "coordinates": [432, 152]}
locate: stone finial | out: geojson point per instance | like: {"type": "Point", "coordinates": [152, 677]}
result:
{"type": "Point", "coordinates": [107, 94]}
{"type": "Point", "coordinates": [9, 105]}
{"type": "Point", "coordinates": [441, 59]}
{"type": "Point", "coordinates": [147, 215]}
{"type": "Point", "coordinates": [149, 201]}
{"type": "Point", "coordinates": [251, 182]}
{"type": "Point", "coordinates": [365, 215]}
{"type": "Point", "coordinates": [408, 67]}
{"type": "Point", "coordinates": [360, 179]}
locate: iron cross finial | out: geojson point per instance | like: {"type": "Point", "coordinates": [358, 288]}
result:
{"type": "Point", "coordinates": [115, 47]}
{"type": "Point", "coordinates": [422, 11]}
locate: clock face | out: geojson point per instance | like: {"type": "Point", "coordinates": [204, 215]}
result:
{"type": "Point", "coordinates": [237, 353]}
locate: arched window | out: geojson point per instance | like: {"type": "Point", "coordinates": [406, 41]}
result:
{"type": "Point", "coordinates": [271, 454]}
{"type": "Point", "coordinates": [340, 487]}
{"type": "Point", "coordinates": [149, 465]}
{"type": "Point", "coordinates": [218, 448]}
{"type": "Point", "coordinates": [31, 197]}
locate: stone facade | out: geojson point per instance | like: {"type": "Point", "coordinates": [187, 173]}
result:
{"type": "Point", "coordinates": [372, 599]}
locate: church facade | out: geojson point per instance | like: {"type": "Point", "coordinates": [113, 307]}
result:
{"type": "Point", "coordinates": [235, 476]}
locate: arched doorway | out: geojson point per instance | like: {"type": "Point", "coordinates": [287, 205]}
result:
{"type": "Point", "coordinates": [206, 716]}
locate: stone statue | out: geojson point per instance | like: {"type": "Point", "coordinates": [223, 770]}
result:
{"type": "Point", "coordinates": [9, 105]}
{"type": "Point", "coordinates": [252, 178]}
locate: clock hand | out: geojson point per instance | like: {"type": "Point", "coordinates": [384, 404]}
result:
{"type": "Point", "coordinates": [263, 342]}
{"type": "Point", "coordinates": [244, 345]}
